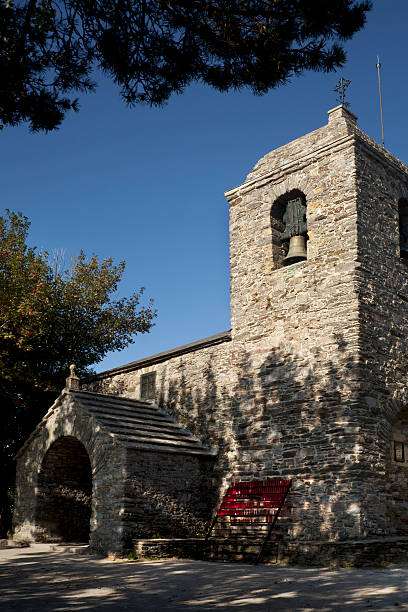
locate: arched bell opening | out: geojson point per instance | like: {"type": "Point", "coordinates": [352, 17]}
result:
{"type": "Point", "coordinates": [289, 229]}
{"type": "Point", "coordinates": [64, 493]}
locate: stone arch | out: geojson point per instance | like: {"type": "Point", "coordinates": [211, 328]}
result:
{"type": "Point", "coordinates": [403, 227]}
{"type": "Point", "coordinates": [64, 492]}
{"type": "Point", "coordinates": [402, 191]}
{"type": "Point", "coordinates": [280, 247]}
{"type": "Point", "coordinates": [304, 184]}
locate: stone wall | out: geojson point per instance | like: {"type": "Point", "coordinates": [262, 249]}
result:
{"type": "Point", "coordinates": [167, 495]}
{"type": "Point", "coordinates": [383, 296]}
{"type": "Point", "coordinates": [196, 388]}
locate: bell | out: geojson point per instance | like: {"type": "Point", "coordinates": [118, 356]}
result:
{"type": "Point", "coordinates": [297, 250]}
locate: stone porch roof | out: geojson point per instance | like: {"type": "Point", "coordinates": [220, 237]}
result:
{"type": "Point", "coordinates": [140, 424]}
{"type": "Point", "coordinates": [135, 424]}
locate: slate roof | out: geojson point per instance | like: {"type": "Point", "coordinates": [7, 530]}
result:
{"type": "Point", "coordinates": [140, 425]}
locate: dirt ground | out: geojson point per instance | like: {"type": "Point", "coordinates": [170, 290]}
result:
{"type": "Point", "coordinates": [36, 579]}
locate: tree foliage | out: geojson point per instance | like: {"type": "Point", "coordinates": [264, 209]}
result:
{"type": "Point", "coordinates": [153, 48]}
{"type": "Point", "coordinates": [51, 317]}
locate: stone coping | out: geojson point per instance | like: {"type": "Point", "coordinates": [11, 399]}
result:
{"type": "Point", "coordinates": [342, 111]}
{"type": "Point", "coordinates": [326, 553]}
{"type": "Point", "coordinates": [165, 540]}
{"type": "Point", "coordinates": [288, 542]}
{"type": "Point", "coordinates": [376, 540]}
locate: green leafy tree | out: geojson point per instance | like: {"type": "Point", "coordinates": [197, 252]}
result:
{"type": "Point", "coordinates": [153, 48]}
{"type": "Point", "coordinates": [51, 317]}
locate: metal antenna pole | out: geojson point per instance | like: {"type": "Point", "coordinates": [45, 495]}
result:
{"type": "Point", "coordinates": [379, 89]}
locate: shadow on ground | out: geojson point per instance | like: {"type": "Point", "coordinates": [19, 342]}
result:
{"type": "Point", "coordinates": [35, 579]}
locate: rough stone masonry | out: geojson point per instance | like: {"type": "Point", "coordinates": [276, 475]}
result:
{"type": "Point", "coordinates": [309, 383]}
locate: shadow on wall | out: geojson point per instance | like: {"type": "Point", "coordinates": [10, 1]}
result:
{"type": "Point", "coordinates": [167, 495]}
{"type": "Point", "coordinates": [288, 418]}
{"type": "Point", "coordinates": [293, 415]}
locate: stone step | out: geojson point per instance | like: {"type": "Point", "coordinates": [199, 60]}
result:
{"type": "Point", "coordinates": [226, 531]}
{"type": "Point", "coordinates": [13, 544]}
{"type": "Point", "coordinates": [260, 535]}
{"type": "Point", "coordinates": [282, 525]}
{"type": "Point", "coordinates": [217, 549]}
{"type": "Point", "coordinates": [163, 548]}
{"type": "Point", "coordinates": [82, 549]}
{"type": "Point", "coordinates": [257, 523]}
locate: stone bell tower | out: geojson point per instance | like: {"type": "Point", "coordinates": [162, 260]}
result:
{"type": "Point", "coordinates": [324, 338]}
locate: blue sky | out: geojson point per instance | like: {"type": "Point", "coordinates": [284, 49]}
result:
{"type": "Point", "coordinates": [146, 185]}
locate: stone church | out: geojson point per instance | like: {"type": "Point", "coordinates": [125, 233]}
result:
{"type": "Point", "coordinates": [310, 383]}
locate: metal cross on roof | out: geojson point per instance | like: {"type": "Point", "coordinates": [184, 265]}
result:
{"type": "Point", "coordinates": [341, 90]}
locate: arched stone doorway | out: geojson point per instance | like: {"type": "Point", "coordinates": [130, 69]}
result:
{"type": "Point", "coordinates": [64, 493]}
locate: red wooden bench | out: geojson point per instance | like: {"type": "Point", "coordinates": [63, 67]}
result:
{"type": "Point", "coordinates": [255, 502]}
